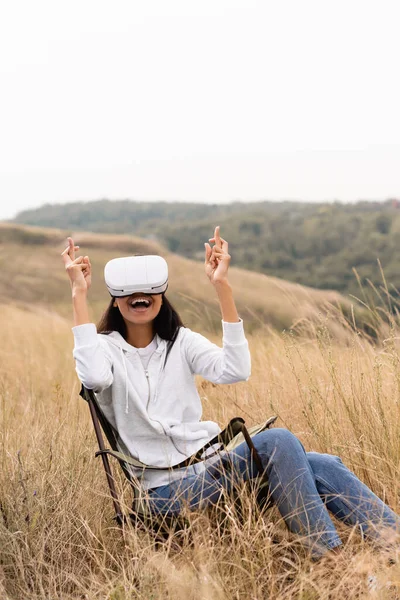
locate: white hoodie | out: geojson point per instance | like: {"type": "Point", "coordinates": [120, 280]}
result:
{"type": "Point", "coordinates": [157, 411]}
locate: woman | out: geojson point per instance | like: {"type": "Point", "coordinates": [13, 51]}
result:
{"type": "Point", "coordinates": [141, 363]}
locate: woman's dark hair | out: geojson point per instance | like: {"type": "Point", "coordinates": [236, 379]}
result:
{"type": "Point", "coordinates": [166, 324]}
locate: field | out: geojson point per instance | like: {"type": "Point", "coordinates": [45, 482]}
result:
{"type": "Point", "coordinates": [330, 385]}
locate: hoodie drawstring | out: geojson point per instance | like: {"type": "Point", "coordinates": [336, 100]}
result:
{"type": "Point", "coordinates": [161, 367]}
{"type": "Point", "coordinates": [157, 380]}
{"type": "Point", "coordinates": [126, 380]}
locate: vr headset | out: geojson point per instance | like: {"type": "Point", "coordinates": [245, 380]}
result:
{"type": "Point", "coordinates": [125, 276]}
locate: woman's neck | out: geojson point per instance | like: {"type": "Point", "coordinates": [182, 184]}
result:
{"type": "Point", "coordinates": [139, 336]}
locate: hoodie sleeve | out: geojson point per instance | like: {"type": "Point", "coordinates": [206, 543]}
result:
{"type": "Point", "coordinates": [93, 365]}
{"type": "Point", "coordinates": [228, 364]}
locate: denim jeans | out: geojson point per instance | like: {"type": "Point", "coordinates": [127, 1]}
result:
{"type": "Point", "coordinates": [303, 485]}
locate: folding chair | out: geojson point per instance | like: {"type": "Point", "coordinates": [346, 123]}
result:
{"type": "Point", "coordinates": [234, 434]}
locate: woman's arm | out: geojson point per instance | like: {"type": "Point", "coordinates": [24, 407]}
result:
{"type": "Point", "coordinates": [231, 363]}
{"type": "Point", "coordinates": [93, 366]}
{"type": "Point", "coordinates": [217, 262]}
{"type": "Point", "coordinates": [79, 271]}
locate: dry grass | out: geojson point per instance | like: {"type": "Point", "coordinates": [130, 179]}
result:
{"type": "Point", "coordinates": [329, 385]}
{"type": "Point", "coordinates": [57, 539]}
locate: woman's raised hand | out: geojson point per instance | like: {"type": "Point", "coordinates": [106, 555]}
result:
{"type": "Point", "coordinates": [79, 269]}
{"type": "Point", "coordinates": [217, 259]}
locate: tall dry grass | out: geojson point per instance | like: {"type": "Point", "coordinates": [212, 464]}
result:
{"type": "Point", "coordinates": [57, 537]}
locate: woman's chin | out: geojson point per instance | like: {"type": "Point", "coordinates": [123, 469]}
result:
{"type": "Point", "coordinates": [137, 317]}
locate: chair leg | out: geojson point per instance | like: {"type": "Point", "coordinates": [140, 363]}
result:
{"type": "Point", "coordinates": [119, 517]}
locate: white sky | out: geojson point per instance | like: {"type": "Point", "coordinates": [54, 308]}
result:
{"type": "Point", "coordinates": [208, 100]}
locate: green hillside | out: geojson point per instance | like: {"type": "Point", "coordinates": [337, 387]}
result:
{"type": "Point", "coordinates": [315, 244]}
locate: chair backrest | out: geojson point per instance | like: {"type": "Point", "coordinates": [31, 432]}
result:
{"type": "Point", "coordinates": [109, 431]}
{"type": "Point", "coordinates": [107, 428]}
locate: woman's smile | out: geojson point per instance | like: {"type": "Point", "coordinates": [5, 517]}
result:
{"type": "Point", "coordinates": [140, 303]}
{"type": "Point", "coordinates": [139, 307]}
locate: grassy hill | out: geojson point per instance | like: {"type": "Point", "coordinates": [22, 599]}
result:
{"type": "Point", "coordinates": [32, 275]}
{"type": "Point", "coordinates": [315, 244]}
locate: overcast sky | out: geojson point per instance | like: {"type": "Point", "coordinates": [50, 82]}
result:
{"type": "Point", "coordinates": [207, 100]}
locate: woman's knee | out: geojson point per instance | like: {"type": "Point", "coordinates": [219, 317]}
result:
{"type": "Point", "coordinates": [323, 462]}
{"type": "Point", "coordinates": [276, 438]}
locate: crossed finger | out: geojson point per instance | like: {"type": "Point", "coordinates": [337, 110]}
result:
{"type": "Point", "coordinates": [218, 240]}
{"type": "Point", "coordinates": [69, 253]}
{"type": "Point", "coordinates": [217, 237]}
{"type": "Point", "coordinates": [86, 265]}
{"type": "Point", "coordinates": [219, 253]}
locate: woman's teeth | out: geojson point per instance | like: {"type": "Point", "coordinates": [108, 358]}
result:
{"type": "Point", "coordinates": [140, 303]}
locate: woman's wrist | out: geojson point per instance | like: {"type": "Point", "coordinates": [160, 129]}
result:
{"type": "Point", "coordinates": [80, 307]}
{"type": "Point", "coordinates": [223, 284]}
{"type": "Point", "coordinates": [226, 301]}
{"type": "Point", "coordinates": [79, 292]}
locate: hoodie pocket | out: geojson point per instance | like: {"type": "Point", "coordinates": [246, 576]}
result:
{"type": "Point", "coordinates": [188, 447]}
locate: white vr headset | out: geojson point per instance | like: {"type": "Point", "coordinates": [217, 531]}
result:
{"type": "Point", "coordinates": [147, 274]}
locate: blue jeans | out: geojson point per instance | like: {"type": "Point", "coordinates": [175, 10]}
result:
{"type": "Point", "coordinates": [303, 485]}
